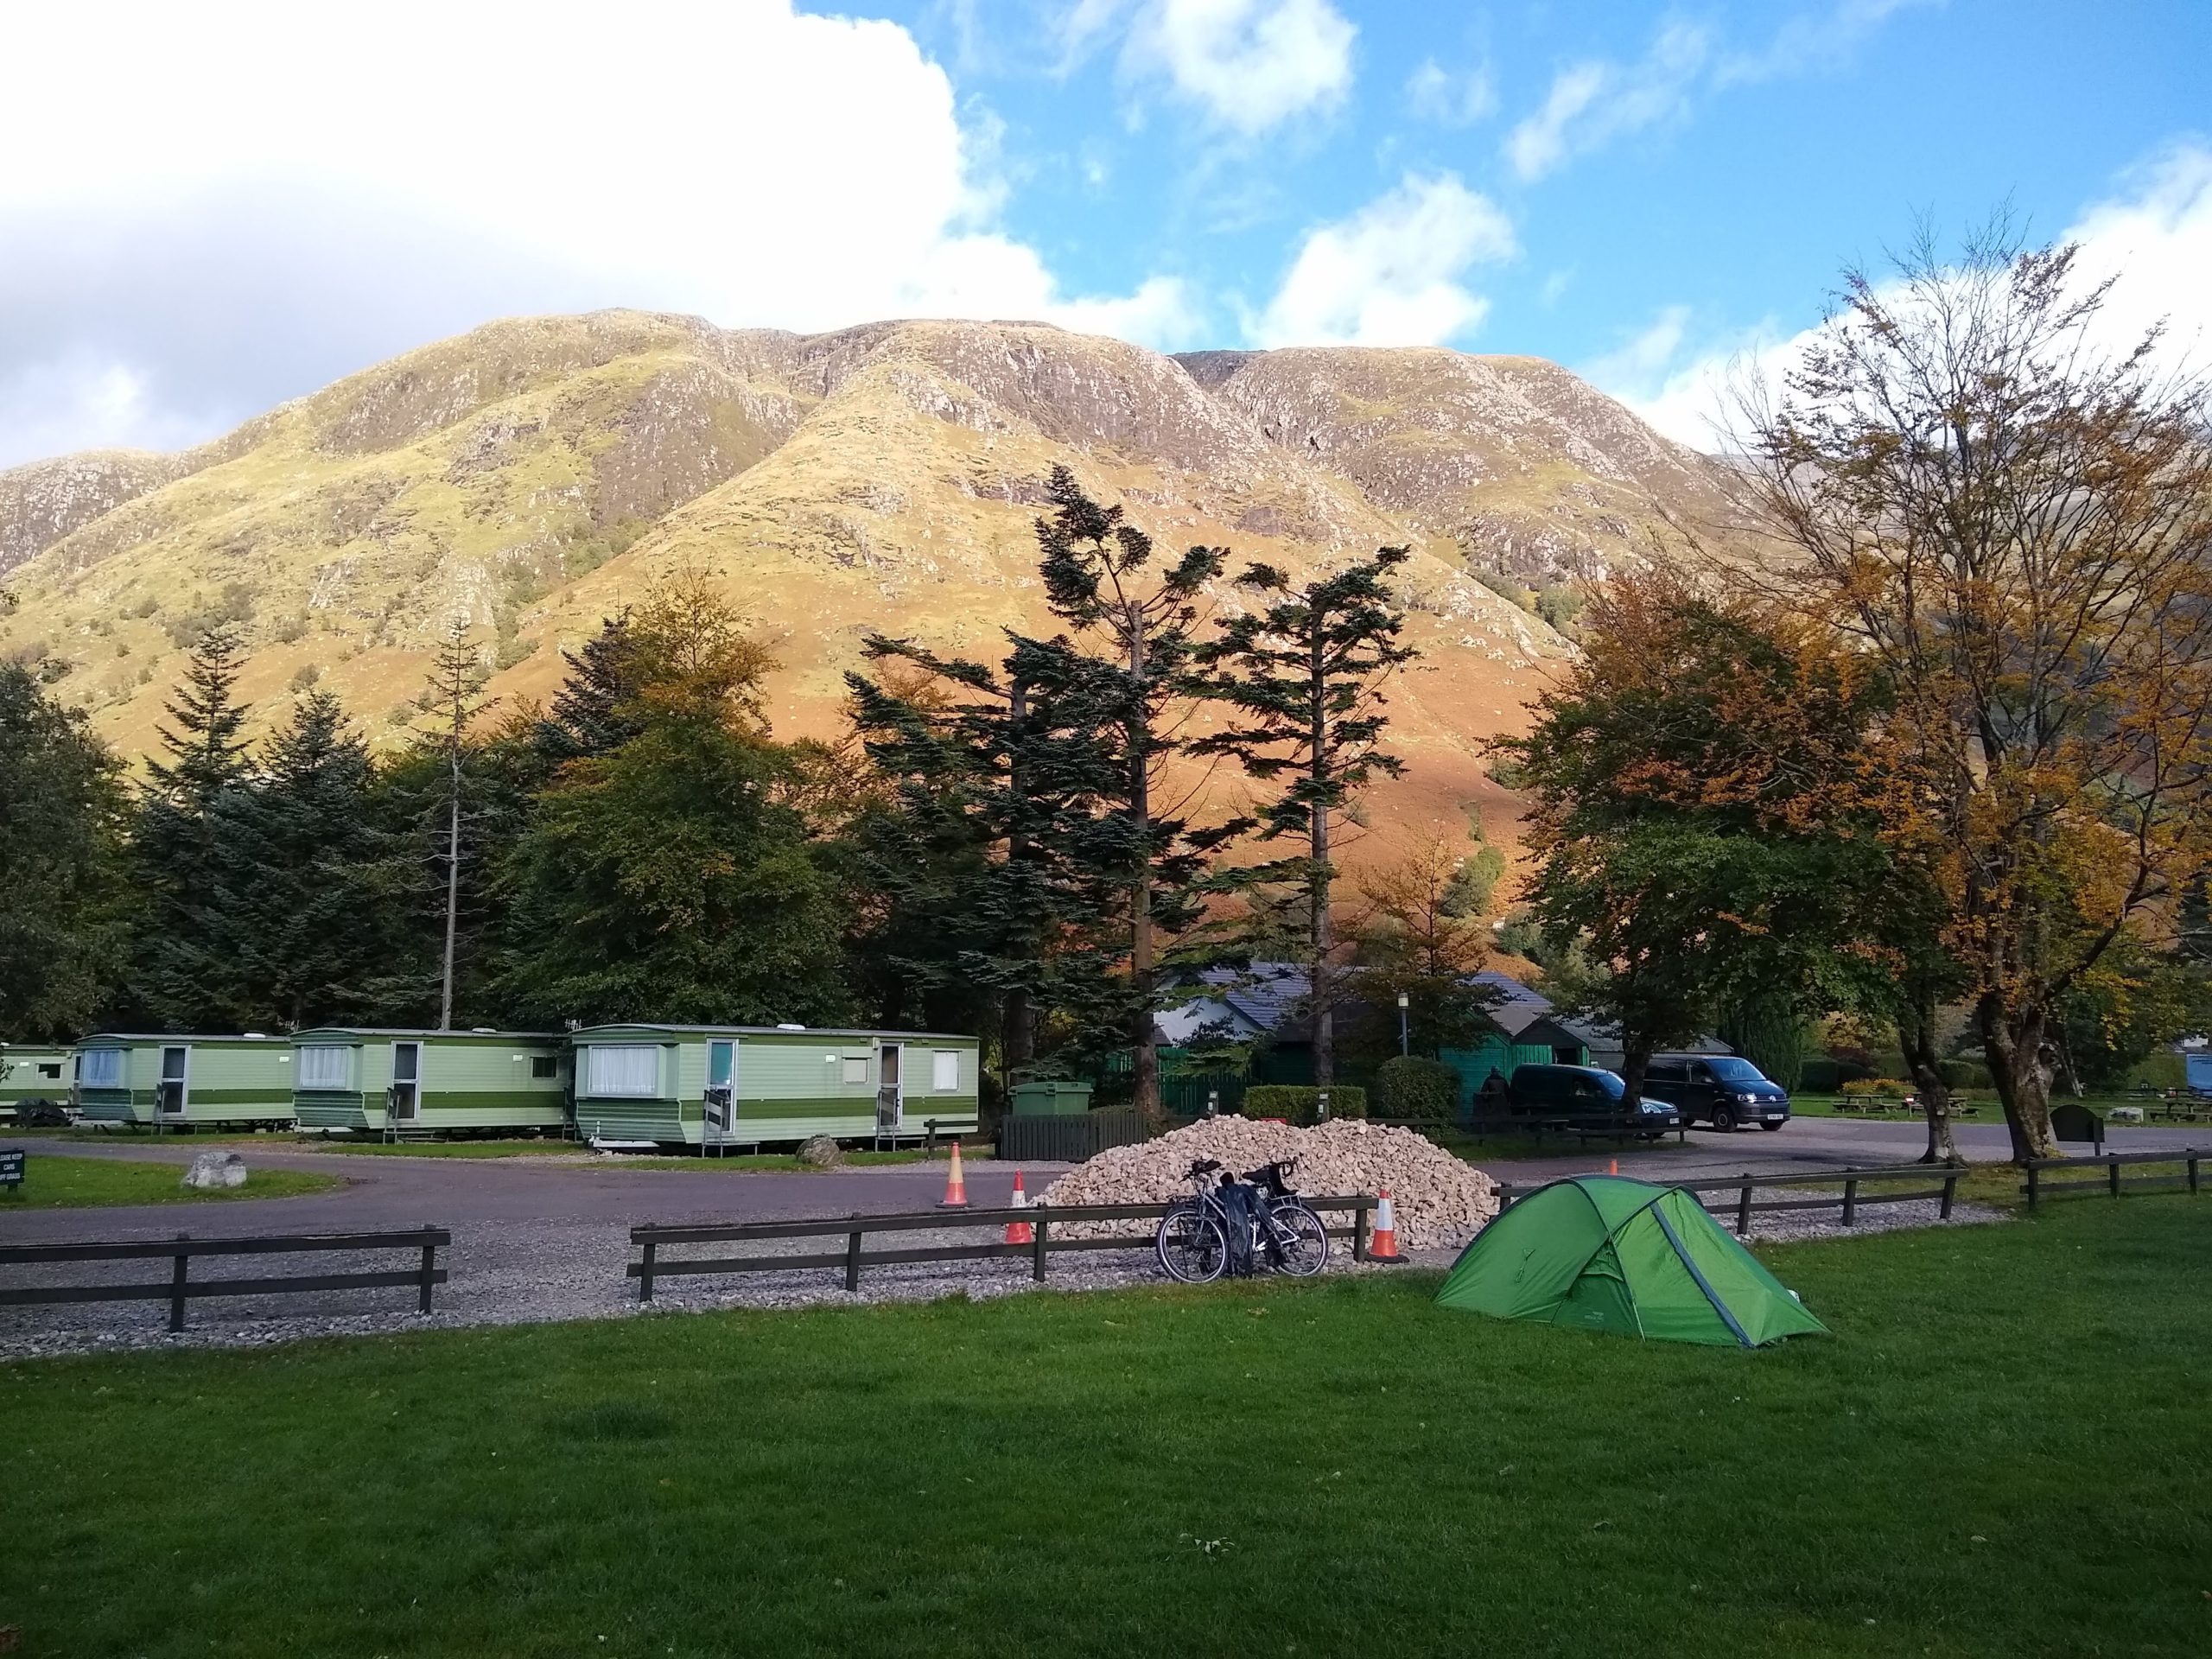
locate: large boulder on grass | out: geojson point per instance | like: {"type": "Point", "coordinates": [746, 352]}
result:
{"type": "Point", "coordinates": [211, 1171]}
{"type": "Point", "coordinates": [820, 1152]}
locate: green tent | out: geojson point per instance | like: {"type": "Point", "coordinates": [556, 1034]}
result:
{"type": "Point", "coordinates": [1609, 1254]}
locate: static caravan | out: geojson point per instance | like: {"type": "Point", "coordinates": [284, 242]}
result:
{"type": "Point", "coordinates": [199, 1081]}
{"type": "Point", "coordinates": [31, 1073]}
{"type": "Point", "coordinates": [433, 1082]}
{"type": "Point", "coordinates": [731, 1085]}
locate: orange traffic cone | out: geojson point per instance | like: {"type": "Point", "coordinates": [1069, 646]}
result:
{"type": "Point", "coordinates": [955, 1184]}
{"type": "Point", "coordinates": [1019, 1233]}
{"type": "Point", "coordinates": [1383, 1247]}
{"type": "Point", "coordinates": [1613, 1165]}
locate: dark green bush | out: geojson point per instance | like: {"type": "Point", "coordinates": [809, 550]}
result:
{"type": "Point", "coordinates": [1964, 1074]}
{"type": "Point", "coordinates": [1295, 1104]}
{"type": "Point", "coordinates": [1417, 1091]}
{"type": "Point", "coordinates": [1817, 1075]}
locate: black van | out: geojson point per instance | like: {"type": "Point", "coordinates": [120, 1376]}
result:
{"type": "Point", "coordinates": [1723, 1090]}
{"type": "Point", "coordinates": [1583, 1098]}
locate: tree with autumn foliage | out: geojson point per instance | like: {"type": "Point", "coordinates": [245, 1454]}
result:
{"type": "Point", "coordinates": [2012, 524]}
{"type": "Point", "coordinates": [1422, 933]}
{"type": "Point", "coordinates": [1703, 814]}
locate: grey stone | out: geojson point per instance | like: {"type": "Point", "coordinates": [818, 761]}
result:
{"type": "Point", "coordinates": [211, 1169]}
{"type": "Point", "coordinates": [820, 1152]}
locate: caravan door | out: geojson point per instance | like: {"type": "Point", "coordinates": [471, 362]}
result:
{"type": "Point", "coordinates": [405, 1095]}
{"type": "Point", "coordinates": [720, 1113]}
{"type": "Point", "coordinates": [889, 1090]}
{"type": "Point", "coordinates": [170, 1094]}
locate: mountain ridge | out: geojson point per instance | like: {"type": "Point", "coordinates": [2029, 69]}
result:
{"type": "Point", "coordinates": [534, 474]}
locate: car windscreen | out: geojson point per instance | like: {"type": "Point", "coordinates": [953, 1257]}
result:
{"type": "Point", "coordinates": [1728, 1069]}
{"type": "Point", "coordinates": [1608, 1084]}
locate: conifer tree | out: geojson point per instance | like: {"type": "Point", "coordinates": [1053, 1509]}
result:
{"type": "Point", "coordinates": [185, 966]}
{"type": "Point", "coordinates": [450, 703]}
{"type": "Point", "coordinates": [311, 925]}
{"type": "Point", "coordinates": [1304, 673]}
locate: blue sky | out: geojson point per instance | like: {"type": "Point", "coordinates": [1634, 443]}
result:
{"type": "Point", "coordinates": [198, 221]}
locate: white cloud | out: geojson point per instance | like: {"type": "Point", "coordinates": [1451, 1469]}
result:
{"type": "Point", "coordinates": [1450, 98]}
{"type": "Point", "coordinates": [230, 204]}
{"type": "Point", "coordinates": [1591, 104]}
{"type": "Point", "coordinates": [1390, 275]}
{"type": "Point", "coordinates": [2153, 239]}
{"type": "Point", "coordinates": [1249, 64]}
{"type": "Point", "coordinates": [2156, 239]}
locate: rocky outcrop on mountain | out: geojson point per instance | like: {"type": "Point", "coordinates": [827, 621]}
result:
{"type": "Point", "coordinates": [47, 500]}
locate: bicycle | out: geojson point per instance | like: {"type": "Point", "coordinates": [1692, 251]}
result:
{"type": "Point", "coordinates": [1194, 1242]}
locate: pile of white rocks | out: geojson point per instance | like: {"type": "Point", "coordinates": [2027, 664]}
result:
{"type": "Point", "coordinates": [1441, 1201]}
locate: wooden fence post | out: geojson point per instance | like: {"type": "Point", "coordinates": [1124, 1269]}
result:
{"type": "Point", "coordinates": [1037, 1250]}
{"type": "Point", "coordinates": [1743, 1208]}
{"type": "Point", "coordinates": [2112, 1170]}
{"type": "Point", "coordinates": [2192, 1174]}
{"type": "Point", "coordinates": [2031, 1183]}
{"type": "Point", "coordinates": [853, 1262]}
{"type": "Point", "coordinates": [1359, 1230]}
{"type": "Point", "coordinates": [646, 1273]}
{"type": "Point", "coordinates": [1950, 1190]}
{"type": "Point", "coordinates": [429, 1261]}
{"type": "Point", "coordinates": [1851, 1203]}
{"type": "Point", "coordinates": [176, 1286]}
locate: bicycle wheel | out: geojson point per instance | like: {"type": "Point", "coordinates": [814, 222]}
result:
{"type": "Point", "coordinates": [1301, 1241]}
{"type": "Point", "coordinates": [1191, 1245]}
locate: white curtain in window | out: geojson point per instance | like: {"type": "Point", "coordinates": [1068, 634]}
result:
{"type": "Point", "coordinates": [623, 1069]}
{"type": "Point", "coordinates": [103, 1069]}
{"type": "Point", "coordinates": [945, 1069]}
{"type": "Point", "coordinates": [322, 1066]}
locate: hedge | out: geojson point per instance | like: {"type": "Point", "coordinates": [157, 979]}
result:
{"type": "Point", "coordinates": [1417, 1091]}
{"type": "Point", "coordinates": [1295, 1104]}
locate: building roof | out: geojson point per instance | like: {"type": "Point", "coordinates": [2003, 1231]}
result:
{"type": "Point", "coordinates": [428, 1032]}
{"type": "Point", "coordinates": [1516, 1006]}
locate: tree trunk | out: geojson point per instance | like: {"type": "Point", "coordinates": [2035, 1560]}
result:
{"type": "Point", "coordinates": [453, 878]}
{"type": "Point", "coordinates": [1144, 1040]}
{"type": "Point", "coordinates": [1321, 931]}
{"type": "Point", "coordinates": [1635, 1060]}
{"type": "Point", "coordinates": [1017, 1032]}
{"type": "Point", "coordinates": [1017, 1026]}
{"type": "Point", "coordinates": [1916, 1041]}
{"type": "Point", "coordinates": [2020, 1064]}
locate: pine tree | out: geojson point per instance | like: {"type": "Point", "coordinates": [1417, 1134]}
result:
{"type": "Point", "coordinates": [185, 974]}
{"type": "Point", "coordinates": [312, 928]}
{"type": "Point", "coordinates": [1304, 675]}
{"type": "Point", "coordinates": [450, 703]}
{"type": "Point", "coordinates": [1105, 700]}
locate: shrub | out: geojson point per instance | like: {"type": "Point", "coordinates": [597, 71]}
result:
{"type": "Point", "coordinates": [1888, 1088]}
{"type": "Point", "coordinates": [1296, 1104]}
{"type": "Point", "coordinates": [1817, 1075]}
{"type": "Point", "coordinates": [1417, 1090]}
{"type": "Point", "coordinates": [1964, 1074]}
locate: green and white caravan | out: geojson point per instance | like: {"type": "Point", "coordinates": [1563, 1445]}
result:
{"type": "Point", "coordinates": [178, 1081]}
{"type": "Point", "coordinates": [429, 1082]}
{"type": "Point", "coordinates": [741, 1085]}
{"type": "Point", "coordinates": [32, 1071]}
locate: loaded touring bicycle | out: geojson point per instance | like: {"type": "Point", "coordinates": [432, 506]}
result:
{"type": "Point", "coordinates": [407, 1081]}
{"type": "Point", "coordinates": [717, 1087]}
{"type": "Point", "coordinates": [168, 1082]}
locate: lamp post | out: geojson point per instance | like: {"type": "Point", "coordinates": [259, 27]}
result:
{"type": "Point", "coordinates": [1405, 1040]}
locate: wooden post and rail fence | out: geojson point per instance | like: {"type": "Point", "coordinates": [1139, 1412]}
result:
{"type": "Point", "coordinates": [1043, 1220]}
{"type": "Point", "coordinates": [181, 1288]}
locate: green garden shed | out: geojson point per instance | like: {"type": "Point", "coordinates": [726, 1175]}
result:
{"type": "Point", "coordinates": [745, 1085]}
{"type": "Point", "coordinates": [1606, 1253]}
{"type": "Point", "coordinates": [202, 1082]}
{"type": "Point", "coordinates": [429, 1082]}
{"type": "Point", "coordinates": [32, 1072]}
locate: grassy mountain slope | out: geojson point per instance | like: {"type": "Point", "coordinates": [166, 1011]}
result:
{"type": "Point", "coordinates": [536, 474]}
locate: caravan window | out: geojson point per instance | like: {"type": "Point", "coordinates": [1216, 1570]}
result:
{"type": "Point", "coordinates": [49, 1068]}
{"type": "Point", "coordinates": [323, 1065]}
{"type": "Point", "coordinates": [944, 1071]}
{"type": "Point", "coordinates": [100, 1068]}
{"type": "Point", "coordinates": [541, 1066]}
{"type": "Point", "coordinates": [856, 1070]}
{"type": "Point", "coordinates": [630, 1069]}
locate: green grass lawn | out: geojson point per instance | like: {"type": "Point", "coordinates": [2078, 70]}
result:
{"type": "Point", "coordinates": [2004, 1448]}
{"type": "Point", "coordinates": [55, 1183]}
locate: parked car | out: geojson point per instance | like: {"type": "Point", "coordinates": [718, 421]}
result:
{"type": "Point", "coordinates": [1583, 1098]}
{"type": "Point", "coordinates": [1723, 1090]}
